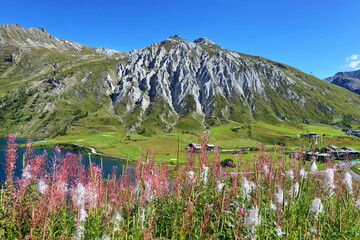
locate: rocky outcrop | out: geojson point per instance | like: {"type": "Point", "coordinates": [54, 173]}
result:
{"type": "Point", "coordinates": [36, 38]}
{"type": "Point", "coordinates": [16, 56]}
{"type": "Point", "coordinates": [174, 69]}
{"type": "Point", "coordinates": [352, 84]}
{"type": "Point", "coordinates": [106, 52]}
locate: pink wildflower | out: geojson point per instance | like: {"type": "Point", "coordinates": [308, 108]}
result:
{"type": "Point", "coordinates": [57, 149]}
{"type": "Point", "coordinates": [97, 169]}
{"type": "Point", "coordinates": [10, 154]}
{"type": "Point", "coordinates": [12, 138]}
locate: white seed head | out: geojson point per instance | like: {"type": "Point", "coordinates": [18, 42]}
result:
{"type": "Point", "coordinates": [142, 216]}
{"type": "Point", "coordinates": [204, 174]}
{"type": "Point", "coordinates": [313, 167]}
{"type": "Point", "coordinates": [316, 206]}
{"type": "Point", "coordinates": [357, 203]}
{"type": "Point", "coordinates": [191, 174]}
{"type": "Point", "coordinates": [246, 187]}
{"type": "Point", "coordinates": [290, 173]}
{"type": "Point", "coordinates": [220, 186]}
{"type": "Point", "coordinates": [78, 195]}
{"type": "Point", "coordinates": [279, 232]}
{"type": "Point", "coordinates": [26, 175]}
{"type": "Point", "coordinates": [303, 173]}
{"type": "Point", "coordinates": [279, 196]}
{"type": "Point", "coordinates": [329, 178]}
{"type": "Point", "coordinates": [41, 187]}
{"type": "Point", "coordinates": [348, 182]}
{"type": "Point", "coordinates": [253, 219]}
{"type": "Point", "coordinates": [83, 215]}
{"type": "Point", "coordinates": [265, 169]}
{"type": "Point", "coordinates": [272, 206]}
{"type": "Point", "coordinates": [105, 237]}
{"type": "Point", "coordinates": [294, 190]}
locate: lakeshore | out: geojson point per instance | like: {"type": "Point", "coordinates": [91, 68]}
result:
{"type": "Point", "coordinates": [108, 161]}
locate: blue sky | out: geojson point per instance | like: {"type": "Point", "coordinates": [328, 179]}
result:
{"type": "Point", "coordinates": [318, 37]}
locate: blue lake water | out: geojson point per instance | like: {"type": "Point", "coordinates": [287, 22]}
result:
{"type": "Point", "coordinates": [108, 163]}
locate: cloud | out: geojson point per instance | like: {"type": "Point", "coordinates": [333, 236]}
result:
{"type": "Point", "coordinates": [352, 58]}
{"type": "Point", "coordinates": [354, 64]}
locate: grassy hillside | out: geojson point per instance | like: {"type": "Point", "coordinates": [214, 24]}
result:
{"type": "Point", "coordinates": [66, 95]}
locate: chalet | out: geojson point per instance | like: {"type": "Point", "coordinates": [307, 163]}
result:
{"type": "Point", "coordinates": [210, 147]}
{"type": "Point", "coordinates": [332, 150]}
{"type": "Point", "coordinates": [349, 153]}
{"type": "Point", "coordinates": [197, 147]}
{"type": "Point", "coordinates": [311, 135]}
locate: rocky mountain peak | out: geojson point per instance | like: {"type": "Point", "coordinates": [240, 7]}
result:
{"type": "Point", "coordinates": [35, 38]}
{"type": "Point", "coordinates": [175, 37]}
{"type": "Point", "coordinates": [172, 39]}
{"type": "Point", "coordinates": [204, 41]}
{"type": "Point", "coordinates": [348, 80]}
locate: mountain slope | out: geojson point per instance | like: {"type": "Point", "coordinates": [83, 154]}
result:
{"type": "Point", "coordinates": [348, 80]}
{"type": "Point", "coordinates": [174, 85]}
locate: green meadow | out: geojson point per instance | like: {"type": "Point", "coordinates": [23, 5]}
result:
{"type": "Point", "coordinates": [113, 140]}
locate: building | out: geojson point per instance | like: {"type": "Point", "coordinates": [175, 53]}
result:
{"type": "Point", "coordinates": [196, 147]}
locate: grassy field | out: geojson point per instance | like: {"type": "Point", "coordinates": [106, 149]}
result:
{"type": "Point", "coordinates": [116, 141]}
{"type": "Point", "coordinates": [356, 168]}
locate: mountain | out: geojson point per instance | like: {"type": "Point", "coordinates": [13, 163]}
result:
{"type": "Point", "coordinates": [48, 85]}
{"type": "Point", "coordinates": [348, 80]}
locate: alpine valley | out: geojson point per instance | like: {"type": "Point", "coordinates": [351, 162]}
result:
{"type": "Point", "coordinates": [50, 87]}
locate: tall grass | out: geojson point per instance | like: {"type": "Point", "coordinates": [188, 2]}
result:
{"type": "Point", "coordinates": [262, 197]}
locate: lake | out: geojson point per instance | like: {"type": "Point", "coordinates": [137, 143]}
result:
{"type": "Point", "coordinates": [108, 163]}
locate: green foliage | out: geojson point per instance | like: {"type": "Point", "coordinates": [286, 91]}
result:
{"type": "Point", "coordinates": [190, 104]}
{"type": "Point", "coordinates": [188, 123]}
{"type": "Point", "coordinates": [212, 121]}
{"type": "Point", "coordinates": [346, 121]}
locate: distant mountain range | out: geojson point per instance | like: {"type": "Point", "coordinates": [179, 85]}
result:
{"type": "Point", "coordinates": [48, 84]}
{"type": "Point", "coordinates": [348, 80]}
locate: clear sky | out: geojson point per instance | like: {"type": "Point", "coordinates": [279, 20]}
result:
{"type": "Point", "coordinates": [315, 36]}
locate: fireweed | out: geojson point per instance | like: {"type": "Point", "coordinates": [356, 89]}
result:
{"type": "Point", "coordinates": [260, 197]}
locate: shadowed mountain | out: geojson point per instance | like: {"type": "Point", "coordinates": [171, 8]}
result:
{"type": "Point", "coordinates": [348, 80]}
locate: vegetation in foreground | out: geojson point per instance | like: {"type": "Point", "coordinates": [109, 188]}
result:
{"type": "Point", "coordinates": [258, 198]}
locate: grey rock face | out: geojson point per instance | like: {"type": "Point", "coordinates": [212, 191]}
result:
{"type": "Point", "coordinates": [204, 41]}
{"type": "Point", "coordinates": [175, 68]}
{"type": "Point", "coordinates": [352, 84]}
{"type": "Point", "coordinates": [352, 74]}
{"type": "Point", "coordinates": [35, 38]}
{"type": "Point", "coordinates": [106, 52]}
{"type": "Point", "coordinates": [15, 57]}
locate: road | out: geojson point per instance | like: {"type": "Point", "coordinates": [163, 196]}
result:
{"type": "Point", "coordinates": [346, 167]}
